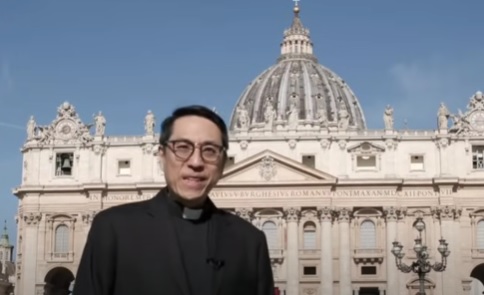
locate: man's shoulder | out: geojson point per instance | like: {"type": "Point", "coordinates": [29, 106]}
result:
{"type": "Point", "coordinates": [242, 226]}
{"type": "Point", "coordinates": [124, 211]}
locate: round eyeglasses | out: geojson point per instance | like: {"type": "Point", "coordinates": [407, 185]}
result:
{"type": "Point", "coordinates": [184, 149]}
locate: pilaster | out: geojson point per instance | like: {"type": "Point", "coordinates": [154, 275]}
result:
{"type": "Point", "coordinates": [29, 276]}
{"type": "Point", "coordinates": [292, 216]}
{"type": "Point", "coordinates": [326, 216]}
{"type": "Point", "coordinates": [344, 216]}
{"type": "Point", "coordinates": [391, 216]}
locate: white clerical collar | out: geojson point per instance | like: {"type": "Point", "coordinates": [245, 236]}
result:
{"type": "Point", "coordinates": [192, 214]}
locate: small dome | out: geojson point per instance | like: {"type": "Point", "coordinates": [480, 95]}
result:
{"type": "Point", "coordinates": [297, 91]}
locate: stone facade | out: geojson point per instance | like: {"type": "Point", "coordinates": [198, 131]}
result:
{"type": "Point", "coordinates": [331, 195]}
{"type": "Point", "coordinates": [7, 266]}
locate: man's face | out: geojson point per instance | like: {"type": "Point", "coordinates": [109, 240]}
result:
{"type": "Point", "coordinates": [192, 175]}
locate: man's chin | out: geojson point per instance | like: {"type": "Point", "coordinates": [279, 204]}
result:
{"type": "Point", "coordinates": [193, 196]}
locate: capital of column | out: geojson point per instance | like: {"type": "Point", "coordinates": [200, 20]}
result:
{"type": "Point", "coordinates": [446, 212]}
{"type": "Point", "coordinates": [245, 213]}
{"type": "Point", "coordinates": [326, 214]}
{"type": "Point", "coordinates": [88, 217]}
{"type": "Point", "coordinates": [32, 218]}
{"type": "Point", "coordinates": [292, 214]}
{"type": "Point", "coordinates": [344, 214]}
{"type": "Point", "coordinates": [391, 213]}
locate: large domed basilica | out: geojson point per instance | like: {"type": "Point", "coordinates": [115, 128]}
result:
{"type": "Point", "coordinates": [297, 93]}
{"type": "Point", "coordinates": [345, 210]}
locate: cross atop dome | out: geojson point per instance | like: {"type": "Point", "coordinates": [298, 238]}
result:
{"type": "Point", "coordinates": [296, 6]}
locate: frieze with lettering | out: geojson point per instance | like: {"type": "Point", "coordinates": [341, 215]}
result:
{"type": "Point", "coordinates": [122, 197]}
{"type": "Point", "coordinates": [318, 193]}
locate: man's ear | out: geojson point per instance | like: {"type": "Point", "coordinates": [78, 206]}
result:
{"type": "Point", "coordinates": [161, 157]}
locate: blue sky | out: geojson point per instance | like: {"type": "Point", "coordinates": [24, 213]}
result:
{"type": "Point", "coordinates": [126, 57]}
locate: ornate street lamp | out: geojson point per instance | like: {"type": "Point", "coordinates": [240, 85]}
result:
{"type": "Point", "coordinates": [422, 265]}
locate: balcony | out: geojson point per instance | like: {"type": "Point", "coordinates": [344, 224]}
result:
{"type": "Point", "coordinates": [309, 253]}
{"type": "Point", "coordinates": [477, 253]}
{"type": "Point", "coordinates": [276, 255]}
{"type": "Point", "coordinates": [368, 255]}
{"type": "Point", "coordinates": [61, 257]}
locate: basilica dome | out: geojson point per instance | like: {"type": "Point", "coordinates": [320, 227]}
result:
{"type": "Point", "coordinates": [297, 93]}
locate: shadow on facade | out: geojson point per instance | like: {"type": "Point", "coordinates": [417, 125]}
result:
{"type": "Point", "coordinates": [58, 281]}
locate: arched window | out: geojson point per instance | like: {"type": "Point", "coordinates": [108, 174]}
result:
{"type": "Point", "coordinates": [309, 235]}
{"type": "Point", "coordinates": [480, 235]}
{"type": "Point", "coordinates": [61, 239]}
{"type": "Point", "coordinates": [270, 230]}
{"type": "Point", "coordinates": [367, 235]}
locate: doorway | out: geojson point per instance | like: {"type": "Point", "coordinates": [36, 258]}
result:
{"type": "Point", "coordinates": [369, 291]}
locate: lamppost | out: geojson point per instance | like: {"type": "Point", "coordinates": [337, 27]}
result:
{"type": "Point", "coordinates": [422, 265]}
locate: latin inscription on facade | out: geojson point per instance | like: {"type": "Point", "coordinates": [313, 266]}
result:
{"type": "Point", "coordinates": [318, 193]}
{"type": "Point", "coordinates": [281, 194]}
{"type": "Point", "coordinates": [122, 198]}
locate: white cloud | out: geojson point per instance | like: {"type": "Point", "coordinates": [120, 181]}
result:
{"type": "Point", "coordinates": [8, 125]}
{"type": "Point", "coordinates": [422, 85]}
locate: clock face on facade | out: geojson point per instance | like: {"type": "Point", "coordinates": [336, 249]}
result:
{"type": "Point", "coordinates": [65, 129]}
{"type": "Point", "coordinates": [476, 120]}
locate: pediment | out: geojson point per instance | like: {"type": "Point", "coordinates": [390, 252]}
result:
{"type": "Point", "coordinates": [270, 167]}
{"type": "Point", "coordinates": [366, 148]}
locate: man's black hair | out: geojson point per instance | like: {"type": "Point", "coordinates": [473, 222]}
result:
{"type": "Point", "coordinates": [193, 110]}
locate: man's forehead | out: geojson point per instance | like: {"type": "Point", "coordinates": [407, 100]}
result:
{"type": "Point", "coordinates": [184, 128]}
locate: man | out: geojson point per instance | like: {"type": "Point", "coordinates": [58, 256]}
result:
{"type": "Point", "coordinates": [178, 242]}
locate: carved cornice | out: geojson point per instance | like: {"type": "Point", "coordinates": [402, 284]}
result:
{"type": "Point", "coordinates": [245, 213]}
{"type": "Point", "coordinates": [292, 214]}
{"type": "Point", "coordinates": [32, 218]}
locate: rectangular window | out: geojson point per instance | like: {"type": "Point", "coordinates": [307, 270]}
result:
{"type": "Point", "coordinates": [364, 162]}
{"type": "Point", "coordinates": [64, 163]}
{"type": "Point", "coordinates": [309, 270]}
{"type": "Point", "coordinates": [124, 167]}
{"type": "Point", "coordinates": [368, 270]}
{"type": "Point", "coordinates": [309, 161]}
{"type": "Point", "coordinates": [416, 162]}
{"type": "Point", "coordinates": [478, 157]}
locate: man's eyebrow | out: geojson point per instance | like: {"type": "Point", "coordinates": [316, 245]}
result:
{"type": "Point", "coordinates": [212, 142]}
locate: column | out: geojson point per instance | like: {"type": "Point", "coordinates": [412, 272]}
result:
{"type": "Point", "coordinates": [436, 237]}
{"type": "Point", "coordinates": [390, 157]}
{"type": "Point", "coordinates": [292, 255]}
{"type": "Point", "coordinates": [402, 238]}
{"type": "Point", "coordinates": [451, 276]}
{"type": "Point", "coordinates": [326, 260]}
{"type": "Point", "coordinates": [97, 162]}
{"type": "Point", "coordinates": [344, 215]}
{"type": "Point", "coordinates": [148, 161]}
{"type": "Point", "coordinates": [29, 257]}
{"type": "Point", "coordinates": [442, 144]}
{"type": "Point", "coordinates": [343, 158]}
{"type": "Point", "coordinates": [391, 236]}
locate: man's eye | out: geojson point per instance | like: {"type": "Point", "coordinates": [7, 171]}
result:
{"type": "Point", "coordinates": [182, 147]}
{"type": "Point", "coordinates": [210, 150]}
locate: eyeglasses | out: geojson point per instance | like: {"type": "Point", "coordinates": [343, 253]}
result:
{"type": "Point", "coordinates": [183, 149]}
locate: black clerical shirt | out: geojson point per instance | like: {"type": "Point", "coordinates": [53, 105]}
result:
{"type": "Point", "coordinates": [193, 240]}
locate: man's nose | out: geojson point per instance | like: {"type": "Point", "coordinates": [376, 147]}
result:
{"type": "Point", "coordinates": [196, 159]}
